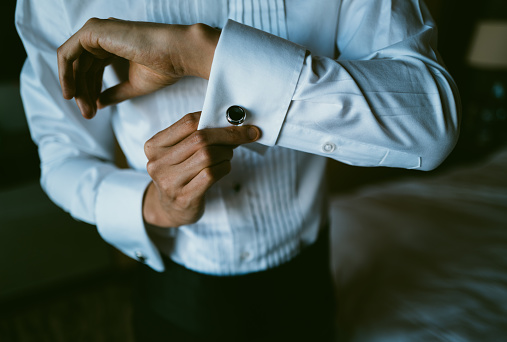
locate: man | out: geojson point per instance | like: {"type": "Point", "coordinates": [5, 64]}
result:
{"type": "Point", "coordinates": [236, 238]}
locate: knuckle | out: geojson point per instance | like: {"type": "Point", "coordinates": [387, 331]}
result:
{"type": "Point", "coordinates": [200, 138]}
{"type": "Point", "coordinates": [62, 54]}
{"type": "Point", "coordinates": [148, 148]}
{"type": "Point", "coordinates": [170, 188]}
{"type": "Point", "coordinates": [151, 167]}
{"type": "Point", "coordinates": [184, 201]}
{"type": "Point", "coordinates": [206, 155]}
{"type": "Point", "coordinates": [191, 120]}
{"type": "Point", "coordinates": [157, 136]}
{"type": "Point", "coordinates": [199, 26]}
{"type": "Point", "coordinates": [234, 134]}
{"type": "Point", "coordinates": [208, 174]}
{"type": "Point", "coordinates": [196, 28]}
{"type": "Point", "coordinates": [213, 174]}
{"type": "Point", "coordinates": [199, 29]}
{"type": "Point", "coordinates": [92, 21]}
{"type": "Point", "coordinates": [167, 188]}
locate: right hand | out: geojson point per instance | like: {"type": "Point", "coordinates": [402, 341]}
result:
{"type": "Point", "coordinates": [184, 163]}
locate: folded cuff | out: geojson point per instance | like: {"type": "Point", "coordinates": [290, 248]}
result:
{"type": "Point", "coordinates": [120, 219]}
{"type": "Point", "coordinates": [257, 71]}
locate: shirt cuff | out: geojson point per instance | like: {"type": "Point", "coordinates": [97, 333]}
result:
{"type": "Point", "coordinates": [257, 71]}
{"type": "Point", "coordinates": [119, 216]}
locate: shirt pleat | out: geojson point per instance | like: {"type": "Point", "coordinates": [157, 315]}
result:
{"type": "Point", "coordinates": [240, 8]}
{"type": "Point", "coordinates": [263, 219]}
{"type": "Point", "coordinates": [293, 208]}
{"type": "Point", "coordinates": [289, 200]}
{"type": "Point", "coordinates": [282, 22]}
{"type": "Point", "coordinates": [260, 190]}
{"type": "Point", "coordinates": [295, 211]}
{"type": "Point", "coordinates": [286, 202]}
{"type": "Point", "coordinates": [265, 15]}
{"type": "Point", "coordinates": [271, 204]}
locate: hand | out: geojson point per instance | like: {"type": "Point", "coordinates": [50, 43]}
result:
{"type": "Point", "coordinates": [158, 54]}
{"type": "Point", "coordinates": [184, 163]}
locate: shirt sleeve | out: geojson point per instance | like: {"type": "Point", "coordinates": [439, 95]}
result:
{"type": "Point", "coordinates": [386, 101]}
{"type": "Point", "coordinates": [77, 170]}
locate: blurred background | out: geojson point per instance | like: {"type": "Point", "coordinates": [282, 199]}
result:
{"type": "Point", "coordinates": [52, 267]}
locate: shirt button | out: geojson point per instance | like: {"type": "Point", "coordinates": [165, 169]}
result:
{"type": "Point", "coordinates": [237, 187]}
{"type": "Point", "coordinates": [140, 256]}
{"type": "Point", "coordinates": [328, 147]}
{"type": "Point", "coordinates": [244, 255]}
{"type": "Point", "coordinates": [235, 115]}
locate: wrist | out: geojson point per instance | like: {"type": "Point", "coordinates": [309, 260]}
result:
{"type": "Point", "coordinates": [199, 46]}
{"type": "Point", "coordinates": [153, 213]}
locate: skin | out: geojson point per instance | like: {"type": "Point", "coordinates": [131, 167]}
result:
{"type": "Point", "coordinates": [182, 161]}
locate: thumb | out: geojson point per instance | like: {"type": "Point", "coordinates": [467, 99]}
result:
{"type": "Point", "coordinates": [119, 93]}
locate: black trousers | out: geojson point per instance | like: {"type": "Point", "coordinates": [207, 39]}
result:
{"type": "Point", "coordinates": [292, 302]}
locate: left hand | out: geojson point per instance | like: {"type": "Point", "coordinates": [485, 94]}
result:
{"type": "Point", "coordinates": [158, 54]}
{"type": "Point", "coordinates": [184, 163]}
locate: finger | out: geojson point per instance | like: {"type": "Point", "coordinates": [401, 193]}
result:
{"type": "Point", "coordinates": [67, 54]}
{"type": "Point", "coordinates": [228, 136]}
{"type": "Point", "coordinates": [119, 93]}
{"type": "Point", "coordinates": [198, 186]}
{"type": "Point", "coordinates": [172, 135]}
{"type": "Point", "coordinates": [93, 82]}
{"type": "Point", "coordinates": [83, 40]}
{"type": "Point", "coordinates": [97, 84]}
{"type": "Point", "coordinates": [85, 80]}
{"type": "Point", "coordinates": [141, 81]}
{"type": "Point", "coordinates": [83, 101]}
{"type": "Point", "coordinates": [233, 135]}
{"type": "Point", "coordinates": [94, 79]}
{"type": "Point", "coordinates": [202, 159]}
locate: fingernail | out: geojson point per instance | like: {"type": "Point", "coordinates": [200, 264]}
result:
{"type": "Point", "coordinates": [252, 133]}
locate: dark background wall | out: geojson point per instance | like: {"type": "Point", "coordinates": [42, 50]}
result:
{"type": "Point", "coordinates": [13, 54]}
{"type": "Point", "coordinates": [15, 143]}
{"type": "Point", "coordinates": [41, 247]}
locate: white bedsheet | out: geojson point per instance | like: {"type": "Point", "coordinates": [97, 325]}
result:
{"type": "Point", "coordinates": [424, 260]}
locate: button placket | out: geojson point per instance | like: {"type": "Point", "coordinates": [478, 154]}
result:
{"type": "Point", "coordinates": [236, 187]}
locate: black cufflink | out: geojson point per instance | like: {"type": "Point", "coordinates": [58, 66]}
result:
{"type": "Point", "coordinates": [235, 115]}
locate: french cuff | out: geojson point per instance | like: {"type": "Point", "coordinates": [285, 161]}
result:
{"type": "Point", "coordinates": [256, 71]}
{"type": "Point", "coordinates": [119, 216]}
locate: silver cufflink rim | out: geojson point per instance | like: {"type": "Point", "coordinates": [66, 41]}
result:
{"type": "Point", "coordinates": [231, 119]}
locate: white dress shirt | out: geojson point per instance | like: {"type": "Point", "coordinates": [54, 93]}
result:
{"type": "Point", "coordinates": [359, 81]}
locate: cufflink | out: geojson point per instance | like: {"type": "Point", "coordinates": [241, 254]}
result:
{"type": "Point", "coordinates": [235, 115]}
{"type": "Point", "coordinates": [140, 257]}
